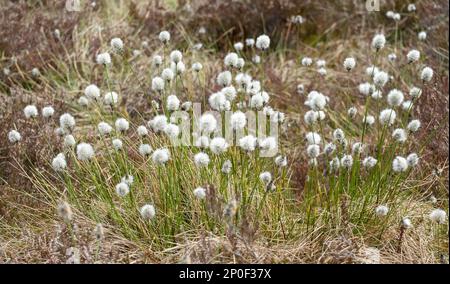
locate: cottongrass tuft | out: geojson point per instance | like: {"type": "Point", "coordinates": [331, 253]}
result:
{"type": "Point", "coordinates": [200, 193]}
{"type": "Point", "coordinates": [148, 212]}
{"type": "Point", "coordinates": [59, 163]}
{"type": "Point", "coordinates": [438, 215]}
{"type": "Point", "coordinates": [122, 189]}
{"type": "Point", "coordinates": [30, 111]}
{"type": "Point", "coordinates": [201, 160]}
{"type": "Point", "coordinates": [85, 152]}
{"type": "Point", "coordinates": [381, 210]}
{"type": "Point", "coordinates": [399, 164]}
{"type": "Point", "coordinates": [14, 136]}
{"type": "Point", "coordinates": [161, 156]}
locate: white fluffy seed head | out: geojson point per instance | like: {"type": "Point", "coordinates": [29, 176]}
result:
{"type": "Point", "coordinates": [85, 152]}
{"type": "Point", "coordinates": [158, 84]}
{"type": "Point", "coordinates": [352, 112]}
{"type": "Point", "coordinates": [66, 121]}
{"type": "Point", "coordinates": [103, 58]}
{"type": "Point", "coordinates": [122, 189]}
{"type": "Point", "coordinates": [226, 167]}
{"type": "Point", "coordinates": [265, 177]}
{"type": "Point", "coordinates": [248, 143]}
{"type": "Point", "coordinates": [164, 37]}
{"type": "Point", "coordinates": [415, 92]}
{"type": "Point", "coordinates": [392, 57]}
{"type": "Point", "coordinates": [157, 60]}
{"type": "Point", "coordinates": [200, 193]}
{"type": "Point", "coordinates": [399, 135]}
{"type": "Point", "coordinates": [167, 74]}
{"type": "Point", "coordinates": [117, 144]}
{"type": "Point", "coordinates": [147, 212]}
{"type": "Point", "coordinates": [250, 42]}
{"type": "Point", "coordinates": [224, 78]}
{"type": "Point", "coordinates": [122, 124]}
{"type": "Point", "coordinates": [395, 97]}
{"type": "Point", "coordinates": [380, 79]}
{"type": "Point", "coordinates": [378, 42]}
{"type": "Point", "coordinates": [173, 103]}
{"type": "Point", "coordinates": [197, 66]}
{"type": "Point", "coordinates": [387, 117]}
{"type": "Point", "coordinates": [349, 63]}
{"type": "Point", "coordinates": [338, 134]}
{"type": "Point", "coordinates": [422, 35]}
{"type": "Point", "coordinates": [161, 156]}
{"type": "Point", "coordinates": [406, 223]}
{"type": "Point", "coordinates": [176, 56]}
{"type": "Point", "coordinates": [92, 92]}
{"type": "Point", "coordinates": [313, 151]}
{"type": "Point", "coordinates": [427, 74]}
{"type": "Point", "coordinates": [14, 136]}
{"type": "Point", "coordinates": [280, 161]}
{"type": "Point", "coordinates": [104, 128]}
{"type": "Point", "coordinates": [30, 111]}
{"type": "Point", "coordinates": [201, 160]}
{"type": "Point", "coordinates": [413, 160]}
{"type": "Point", "coordinates": [381, 210]}
{"type": "Point", "coordinates": [172, 130]}
{"type": "Point", "coordinates": [218, 145]}
{"type": "Point", "coordinates": [158, 123]}
{"type": "Point", "coordinates": [238, 46]}
{"type": "Point", "coordinates": [48, 111]}
{"type": "Point", "coordinates": [369, 162]}
{"type": "Point", "coordinates": [346, 161]}
{"type": "Point", "coordinates": [306, 61]}
{"type": "Point", "coordinates": [329, 149]}
{"type": "Point", "coordinates": [313, 138]}
{"type": "Point", "coordinates": [262, 42]}
{"type": "Point", "coordinates": [413, 56]}
{"type": "Point", "coordinates": [207, 123]}
{"type": "Point", "coordinates": [145, 149]}
{"type": "Point", "coordinates": [231, 59]}
{"type": "Point", "coordinates": [399, 164]}
{"type": "Point", "coordinates": [59, 163]}
{"type": "Point", "coordinates": [117, 44]}
{"type": "Point", "coordinates": [369, 120]}
{"type": "Point", "coordinates": [111, 98]}
{"type": "Point", "coordinates": [414, 125]}
{"type": "Point", "coordinates": [69, 141]}
{"type": "Point", "coordinates": [438, 215]}
{"type": "Point", "coordinates": [407, 105]}
{"type": "Point", "coordinates": [357, 148]}
{"type": "Point", "coordinates": [142, 130]}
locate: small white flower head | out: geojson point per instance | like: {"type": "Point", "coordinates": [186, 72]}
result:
{"type": "Point", "coordinates": [198, 46]}
{"type": "Point", "coordinates": [378, 42]}
{"type": "Point", "coordinates": [397, 17]}
{"type": "Point", "coordinates": [224, 78]}
{"type": "Point", "coordinates": [197, 66]}
{"type": "Point", "coordinates": [103, 58]}
{"type": "Point", "coordinates": [117, 144]}
{"type": "Point", "coordinates": [300, 89]}
{"type": "Point", "coordinates": [320, 63]}
{"type": "Point", "coordinates": [128, 179]}
{"type": "Point", "coordinates": [351, 112]}
{"type": "Point", "coordinates": [122, 124]}
{"type": "Point", "coordinates": [69, 141]}
{"type": "Point", "coordinates": [92, 92]}
{"type": "Point", "coordinates": [231, 59]}
{"type": "Point", "coordinates": [218, 145]}
{"type": "Point", "coordinates": [207, 123]}
{"type": "Point", "coordinates": [145, 150]}
{"type": "Point", "coordinates": [381, 210]}
{"type": "Point", "coordinates": [142, 131]}
{"type": "Point", "coordinates": [411, 7]}
{"type": "Point", "coordinates": [157, 61]}
{"type": "Point", "coordinates": [338, 134]}
{"type": "Point", "coordinates": [226, 167]}
{"type": "Point", "coordinates": [313, 151]}
{"type": "Point", "coordinates": [346, 161]}
{"type": "Point", "coordinates": [329, 149]}
{"type": "Point", "coordinates": [256, 59]}
{"type": "Point", "coordinates": [158, 84]}
{"type": "Point", "coordinates": [64, 211]}
{"type": "Point", "coordinates": [30, 111]}
{"type": "Point", "coordinates": [173, 103]}
{"type": "Point", "coordinates": [422, 35]}
{"type": "Point", "coordinates": [164, 37]}
{"type": "Point", "coordinates": [147, 212]}
{"type": "Point", "coordinates": [262, 42]}
{"type": "Point", "coordinates": [66, 121]}
{"type": "Point", "coordinates": [200, 193]}
{"type": "Point", "coordinates": [297, 19]}
{"type": "Point", "coordinates": [201, 160]}
{"type": "Point", "coordinates": [387, 117]}
{"type": "Point", "coordinates": [399, 135]}
{"type": "Point", "coordinates": [83, 101]}
{"type": "Point", "coordinates": [414, 125]}
{"type": "Point", "coordinates": [229, 92]}
{"type": "Point", "coordinates": [265, 177]}
{"type": "Point", "coordinates": [399, 164]}
{"type": "Point", "coordinates": [48, 111]}
{"type": "Point", "coordinates": [256, 101]}
{"type": "Point", "coordinates": [335, 164]}
{"type": "Point", "coordinates": [250, 42]}
{"type": "Point", "coordinates": [392, 57]}
{"type": "Point", "coordinates": [306, 61]}
{"type": "Point", "coordinates": [413, 160]}
{"type": "Point", "coordinates": [35, 72]}
{"type": "Point", "coordinates": [380, 79]}
{"type": "Point", "coordinates": [407, 105]}
{"type": "Point", "coordinates": [372, 70]}
{"type": "Point", "coordinates": [322, 71]}
{"type": "Point", "coordinates": [426, 74]}
{"type": "Point", "coordinates": [179, 68]}
{"type": "Point", "coordinates": [85, 152]}
{"type": "Point", "coordinates": [122, 189]}
{"type": "Point", "coordinates": [312, 138]}
{"type": "Point", "coordinates": [316, 100]}
{"type": "Point", "coordinates": [248, 143]}
{"type": "Point", "coordinates": [161, 156]}
{"type": "Point", "coordinates": [349, 63]}
{"type": "Point", "coordinates": [238, 46]}
{"type": "Point", "coordinates": [117, 44]}
{"type": "Point", "coordinates": [413, 56]}
{"type": "Point", "coordinates": [406, 223]}
{"type": "Point", "coordinates": [172, 130]}
{"type": "Point", "coordinates": [365, 88]}
{"type": "Point", "coordinates": [415, 92]}
{"type": "Point", "coordinates": [14, 136]}
{"type": "Point", "coordinates": [377, 95]}
{"type": "Point", "coordinates": [158, 123]}
{"type": "Point", "coordinates": [176, 56]}
{"type": "Point", "coordinates": [311, 117]}
{"type": "Point", "coordinates": [238, 120]}
{"type": "Point", "coordinates": [369, 120]}
{"type": "Point", "coordinates": [59, 163]}
{"type": "Point", "coordinates": [357, 148]}
{"type": "Point", "coordinates": [111, 98]}
{"type": "Point", "coordinates": [277, 117]}
{"type": "Point", "coordinates": [240, 63]}
{"type": "Point", "coordinates": [281, 161]}
{"type": "Point", "coordinates": [438, 215]}
{"type": "Point", "coordinates": [167, 74]}
{"type": "Point", "coordinates": [268, 143]}
{"type": "Point", "coordinates": [369, 162]}
{"type": "Point", "coordinates": [104, 128]}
